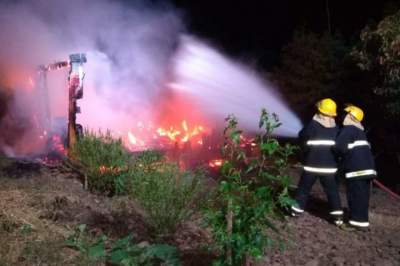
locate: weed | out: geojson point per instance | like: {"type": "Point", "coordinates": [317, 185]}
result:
{"type": "Point", "coordinates": [122, 251]}
{"type": "Point", "coordinates": [167, 194]}
{"type": "Point", "coordinates": [104, 160]}
{"type": "Point", "coordinates": [254, 191]}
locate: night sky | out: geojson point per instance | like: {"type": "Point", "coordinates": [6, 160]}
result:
{"type": "Point", "coordinates": [259, 29]}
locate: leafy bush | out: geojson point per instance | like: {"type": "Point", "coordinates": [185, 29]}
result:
{"type": "Point", "coordinates": [167, 194]}
{"type": "Point", "coordinates": [104, 161]}
{"type": "Point", "coordinates": [121, 252]}
{"type": "Point", "coordinates": [253, 192]}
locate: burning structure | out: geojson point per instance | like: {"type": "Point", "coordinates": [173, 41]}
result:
{"type": "Point", "coordinates": [147, 81]}
{"type": "Point", "coordinates": [75, 92]}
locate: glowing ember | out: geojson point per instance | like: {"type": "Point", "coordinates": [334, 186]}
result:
{"type": "Point", "coordinates": [58, 144]}
{"type": "Point", "coordinates": [216, 163]}
{"type": "Point", "coordinates": [110, 170]}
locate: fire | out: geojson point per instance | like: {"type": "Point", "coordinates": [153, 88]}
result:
{"type": "Point", "coordinates": [183, 134]}
{"type": "Point", "coordinates": [58, 144]}
{"type": "Point", "coordinates": [216, 163]}
{"type": "Point", "coordinates": [145, 135]}
{"type": "Point", "coordinates": [171, 133]}
{"type": "Point", "coordinates": [110, 170]}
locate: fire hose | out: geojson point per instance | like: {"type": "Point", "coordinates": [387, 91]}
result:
{"type": "Point", "coordinates": [387, 190]}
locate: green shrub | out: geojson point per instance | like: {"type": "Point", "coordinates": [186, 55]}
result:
{"type": "Point", "coordinates": [121, 252]}
{"type": "Point", "coordinates": [104, 160]}
{"type": "Point", "coordinates": [253, 192]}
{"type": "Point", "coordinates": [167, 194]}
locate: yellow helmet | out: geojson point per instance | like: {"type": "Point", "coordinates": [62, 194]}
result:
{"type": "Point", "coordinates": [327, 106]}
{"type": "Point", "coordinates": [356, 112]}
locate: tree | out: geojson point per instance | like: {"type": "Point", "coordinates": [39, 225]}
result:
{"type": "Point", "coordinates": [310, 68]}
{"type": "Point", "coordinates": [378, 54]}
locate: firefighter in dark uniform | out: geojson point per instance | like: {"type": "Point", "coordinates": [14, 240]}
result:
{"type": "Point", "coordinates": [358, 166]}
{"type": "Point", "coordinates": [318, 139]}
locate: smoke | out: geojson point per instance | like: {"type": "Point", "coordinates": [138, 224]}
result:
{"type": "Point", "coordinates": [128, 47]}
{"type": "Point", "coordinates": [134, 49]}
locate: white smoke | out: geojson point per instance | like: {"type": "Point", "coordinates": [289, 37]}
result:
{"type": "Point", "coordinates": [133, 51]}
{"type": "Point", "coordinates": [128, 47]}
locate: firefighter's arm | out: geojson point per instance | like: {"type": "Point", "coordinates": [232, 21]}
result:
{"type": "Point", "coordinates": [305, 134]}
{"type": "Point", "coordinates": [342, 141]}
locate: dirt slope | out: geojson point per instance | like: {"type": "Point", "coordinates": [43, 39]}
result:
{"type": "Point", "coordinates": [40, 206]}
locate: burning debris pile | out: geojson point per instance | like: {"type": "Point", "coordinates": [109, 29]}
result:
{"type": "Point", "coordinates": [146, 81]}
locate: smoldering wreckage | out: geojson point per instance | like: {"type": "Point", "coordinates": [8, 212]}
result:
{"type": "Point", "coordinates": [52, 136]}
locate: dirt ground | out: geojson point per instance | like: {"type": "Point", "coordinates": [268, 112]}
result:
{"type": "Point", "coordinates": [313, 241]}
{"type": "Point", "coordinates": [40, 206]}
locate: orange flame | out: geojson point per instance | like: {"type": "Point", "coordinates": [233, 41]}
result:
{"type": "Point", "coordinates": [216, 163]}
{"type": "Point", "coordinates": [181, 135]}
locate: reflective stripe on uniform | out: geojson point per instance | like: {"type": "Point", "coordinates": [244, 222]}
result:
{"type": "Point", "coordinates": [336, 213]}
{"type": "Point", "coordinates": [359, 224]}
{"type": "Point", "coordinates": [358, 143]}
{"type": "Point", "coordinates": [320, 170]}
{"type": "Point", "coordinates": [297, 209]}
{"type": "Point", "coordinates": [320, 142]}
{"type": "Point", "coordinates": [361, 173]}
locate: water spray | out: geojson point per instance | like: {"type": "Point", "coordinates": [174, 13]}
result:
{"type": "Point", "coordinates": [224, 87]}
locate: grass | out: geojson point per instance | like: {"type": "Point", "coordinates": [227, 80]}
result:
{"type": "Point", "coordinates": [168, 195]}
{"type": "Point", "coordinates": [104, 160]}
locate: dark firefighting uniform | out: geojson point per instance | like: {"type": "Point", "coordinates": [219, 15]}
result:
{"type": "Point", "coordinates": [319, 163]}
{"type": "Point", "coordinates": [359, 168]}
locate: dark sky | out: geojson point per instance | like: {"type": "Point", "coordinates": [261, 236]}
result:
{"type": "Point", "coordinates": [260, 28]}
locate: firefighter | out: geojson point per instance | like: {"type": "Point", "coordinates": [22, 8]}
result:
{"type": "Point", "coordinates": [318, 139]}
{"type": "Point", "coordinates": [358, 166]}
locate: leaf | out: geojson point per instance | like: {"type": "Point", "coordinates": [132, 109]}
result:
{"type": "Point", "coordinates": [226, 167]}
{"type": "Point", "coordinates": [167, 253]}
{"type": "Point", "coordinates": [270, 147]}
{"type": "Point", "coordinates": [235, 136]}
{"type": "Point", "coordinates": [97, 251]}
{"type": "Point", "coordinates": [123, 242]}
{"type": "Point", "coordinates": [71, 242]}
{"type": "Point", "coordinates": [82, 228]}
{"type": "Point", "coordinates": [118, 256]}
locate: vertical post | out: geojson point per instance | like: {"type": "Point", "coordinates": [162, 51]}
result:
{"type": "Point", "coordinates": [75, 92]}
{"type": "Point", "coordinates": [71, 115]}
